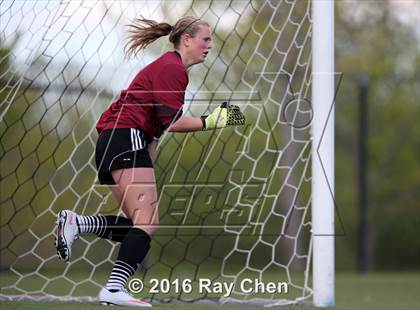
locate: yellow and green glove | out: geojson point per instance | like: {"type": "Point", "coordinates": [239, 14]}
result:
{"type": "Point", "coordinates": [225, 115]}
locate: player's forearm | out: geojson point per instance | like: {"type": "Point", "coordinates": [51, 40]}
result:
{"type": "Point", "coordinates": [187, 124]}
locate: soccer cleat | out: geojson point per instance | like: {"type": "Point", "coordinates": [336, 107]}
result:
{"type": "Point", "coordinates": [66, 232]}
{"type": "Point", "coordinates": [120, 298]}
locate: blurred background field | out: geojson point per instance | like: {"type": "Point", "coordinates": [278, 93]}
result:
{"type": "Point", "coordinates": [47, 162]}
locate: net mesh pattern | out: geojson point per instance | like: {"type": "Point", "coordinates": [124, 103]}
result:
{"type": "Point", "coordinates": [234, 203]}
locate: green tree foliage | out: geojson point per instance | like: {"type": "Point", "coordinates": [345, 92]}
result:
{"type": "Point", "coordinates": [372, 40]}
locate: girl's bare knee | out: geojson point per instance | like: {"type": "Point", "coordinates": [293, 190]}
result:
{"type": "Point", "coordinates": [149, 229]}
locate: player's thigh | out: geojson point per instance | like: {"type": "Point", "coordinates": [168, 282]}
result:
{"type": "Point", "coordinates": [139, 196]}
{"type": "Point", "coordinates": [118, 195]}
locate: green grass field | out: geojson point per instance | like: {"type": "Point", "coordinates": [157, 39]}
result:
{"type": "Point", "coordinates": [399, 291]}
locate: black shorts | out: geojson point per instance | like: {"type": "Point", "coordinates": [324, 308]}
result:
{"type": "Point", "coordinates": [120, 148]}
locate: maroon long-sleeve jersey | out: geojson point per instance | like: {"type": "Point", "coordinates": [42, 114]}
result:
{"type": "Point", "coordinates": [153, 100]}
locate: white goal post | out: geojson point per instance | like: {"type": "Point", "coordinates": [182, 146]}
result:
{"type": "Point", "coordinates": [323, 152]}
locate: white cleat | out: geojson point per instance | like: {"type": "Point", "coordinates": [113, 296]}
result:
{"type": "Point", "coordinates": [120, 298]}
{"type": "Point", "coordinates": [66, 232]}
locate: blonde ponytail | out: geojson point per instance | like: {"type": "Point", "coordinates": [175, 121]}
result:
{"type": "Point", "coordinates": [144, 32]}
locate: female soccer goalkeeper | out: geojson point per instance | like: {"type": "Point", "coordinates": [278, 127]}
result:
{"type": "Point", "coordinates": [128, 135]}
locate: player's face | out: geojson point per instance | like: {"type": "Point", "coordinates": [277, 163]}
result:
{"type": "Point", "coordinates": [200, 44]}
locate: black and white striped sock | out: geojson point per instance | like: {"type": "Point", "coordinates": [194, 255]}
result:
{"type": "Point", "coordinates": [95, 224]}
{"type": "Point", "coordinates": [133, 249]}
{"type": "Point", "coordinates": [110, 227]}
{"type": "Point", "coordinates": [119, 276]}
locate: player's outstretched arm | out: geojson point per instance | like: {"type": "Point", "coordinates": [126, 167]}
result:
{"type": "Point", "coordinates": [186, 124]}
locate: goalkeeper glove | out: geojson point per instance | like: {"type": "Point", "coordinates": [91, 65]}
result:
{"type": "Point", "coordinates": [225, 115]}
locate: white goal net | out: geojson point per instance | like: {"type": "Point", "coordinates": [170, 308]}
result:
{"type": "Point", "coordinates": [234, 204]}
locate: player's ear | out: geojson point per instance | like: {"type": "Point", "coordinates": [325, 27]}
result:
{"type": "Point", "coordinates": [186, 39]}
